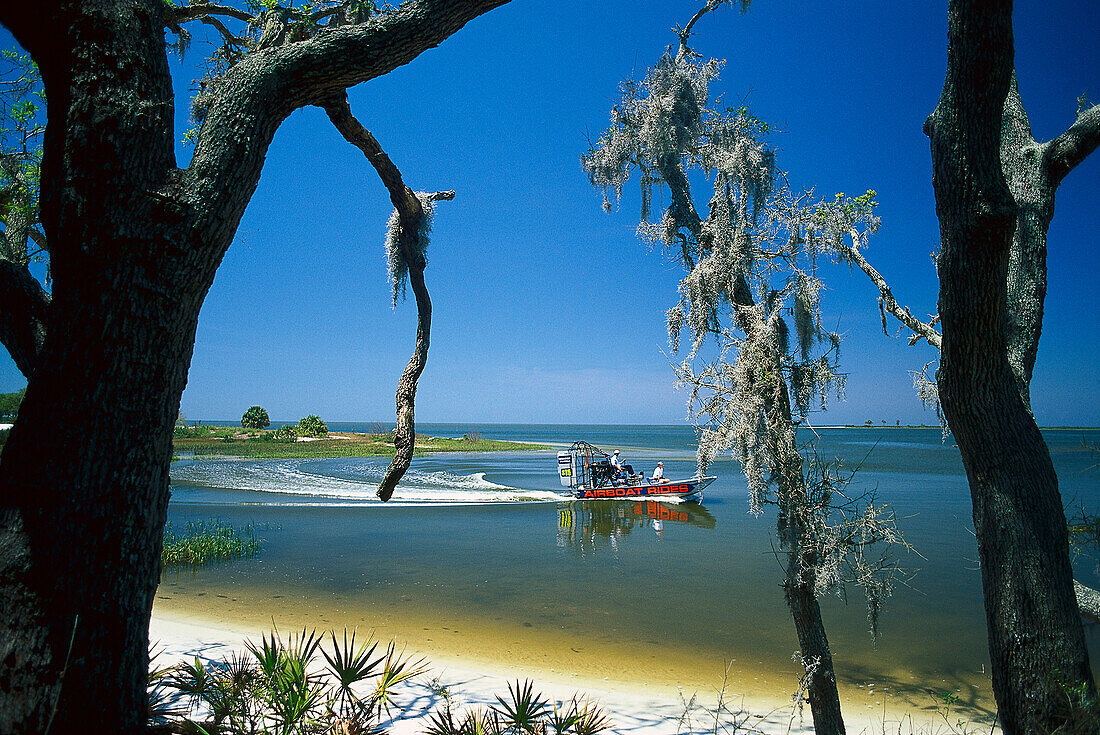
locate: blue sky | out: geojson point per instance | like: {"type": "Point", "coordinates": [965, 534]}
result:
{"type": "Point", "coordinates": [548, 309]}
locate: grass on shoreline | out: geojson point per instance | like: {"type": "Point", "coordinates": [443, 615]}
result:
{"type": "Point", "coordinates": [234, 441]}
{"type": "Point", "coordinates": [203, 542]}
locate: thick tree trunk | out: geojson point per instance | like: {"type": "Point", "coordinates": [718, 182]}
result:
{"type": "Point", "coordinates": [1036, 641]}
{"type": "Point", "coordinates": [134, 245]}
{"type": "Point", "coordinates": [1023, 166]}
{"type": "Point", "coordinates": [84, 475]}
{"type": "Point", "coordinates": [84, 505]}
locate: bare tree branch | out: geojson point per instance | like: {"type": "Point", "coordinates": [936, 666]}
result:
{"type": "Point", "coordinates": [226, 33]}
{"type": "Point", "coordinates": [1073, 146]}
{"type": "Point", "coordinates": [176, 14]}
{"type": "Point", "coordinates": [23, 308]}
{"type": "Point", "coordinates": [888, 303]}
{"type": "Point", "coordinates": [410, 212]}
{"type": "Point", "coordinates": [243, 107]}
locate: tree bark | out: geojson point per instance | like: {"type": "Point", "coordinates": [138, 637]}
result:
{"type": "Point", "coordinates": [796, 534]}
{"type": "Point", "coordinates": [1018, 518]}
{"type": "Point", "coordinates": [817, 659]}
{"type": "Point", "coordinates": [24, 306]}
{"type": "Point", "coordinates": [134, 245]}
{"type": "Point", "coordinates": [84, 475]}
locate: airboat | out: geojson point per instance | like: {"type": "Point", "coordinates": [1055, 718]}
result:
{"type": "Point", "coordinates": [587, 471]}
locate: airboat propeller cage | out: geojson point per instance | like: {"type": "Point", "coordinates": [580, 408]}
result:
{"type": "Point", "coordinates": [576, 466]}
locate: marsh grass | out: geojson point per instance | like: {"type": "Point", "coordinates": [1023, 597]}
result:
{"type": "Point", "coordinates": [235, 441]}
{"type": "Point", "coordinates": [204, 542]}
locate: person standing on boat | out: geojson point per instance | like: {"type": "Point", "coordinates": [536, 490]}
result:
{"type": "Point", "coordinates": [658, 473]}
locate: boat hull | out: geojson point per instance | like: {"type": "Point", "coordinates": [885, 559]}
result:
{"type": "Point", "coordinates": [684, 489]}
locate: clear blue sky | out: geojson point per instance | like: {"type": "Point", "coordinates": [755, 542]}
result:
{"type": "Point", "coordinates": [547, 309]}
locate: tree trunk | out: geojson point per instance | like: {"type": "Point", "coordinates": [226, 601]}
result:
{"type": "Point", "coordinates": [1031, 189]}
{"type": "Point", "coordinates": [1036, 641]}
{"type": "Point", "coordinates": [84, 506]}
{"type": "Point", "coordinates": [817, 659]}
{"type": "Point", "coordinates": [797, 537]}
{"type": "Point", "coordinates": [84, 475]}
{"type": "Point", "coordinates": [134, 245]}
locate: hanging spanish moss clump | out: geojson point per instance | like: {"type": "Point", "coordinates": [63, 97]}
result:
{"type": "Point", "coordinates": [396, 265]}
{"type": "Point", "coordinates": [807, 312]}
{"type": "Point", "coordinates": [751, 262]}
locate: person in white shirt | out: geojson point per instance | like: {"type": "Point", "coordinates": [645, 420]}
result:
{"type": "Point", "coordinates": [659, 473]}
{"type": "Point", "coordinates": [621, 470]}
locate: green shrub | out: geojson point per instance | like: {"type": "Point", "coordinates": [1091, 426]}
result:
{"type": "Point", "coordinates": [255, 418]}
{"type": "Point", "coordinates": [307, 684]}
{"type": "Point", "coordinates": [190, 432]}
{"type": "Point", "coordinates": [9, 404]}
{"type": "Point", "coordinates": [312, 425]}
{"type": "Point", "coordinates": [4, 436]}
{"type": "Point", "coordinates": [284, 434]}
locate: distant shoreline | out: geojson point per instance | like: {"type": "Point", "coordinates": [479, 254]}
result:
{"type": "Point", "coordinates": [206, 440]}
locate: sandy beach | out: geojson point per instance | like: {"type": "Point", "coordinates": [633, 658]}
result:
{"type": "Point", "coordinates": [178, 638]}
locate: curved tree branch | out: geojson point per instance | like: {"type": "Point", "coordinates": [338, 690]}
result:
{"type": "Point", "coordinates": [243, 107]}
{"type": "Point", "coordinates": [888, 303]}
{"type": "Point", "coordinates": [23, 308]}
{"type": "Point", "coordinates": [411, 214]}
{"type": "Point", "coordinates": [225, 32]}
{"type": "Point", "coordinates": [176, 14]}
{"type": "Point", "coordinates": [312, 70]}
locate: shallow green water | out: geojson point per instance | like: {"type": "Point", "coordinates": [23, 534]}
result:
{"type": "Point", "coordinates": [501, 573]}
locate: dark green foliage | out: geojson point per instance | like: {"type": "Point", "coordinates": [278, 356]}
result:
{"type": "Point", "coordinates": [277, 688]}
{"type": "Point", "coordinates": [203, 542]}
{"type": "Point", "coordinates": [525, 712]}
{"type": "Point", "coordinates": [284, 434]}
{"type": "Point", "coordinates": [524, 708]}
{"type": "Point", "coordinates": [22, 103]}
{"type": "Point", "coordinates": [9, 404]}
{"type": "Point", "coordinates": [255, 418]}
{"type": "Point", "coordinates": [191, 432]}
{"type": "Point", "coordinates": [311, 425]}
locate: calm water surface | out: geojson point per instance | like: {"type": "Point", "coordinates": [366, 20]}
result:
{"type": "Point", "coordinates": [479, 556]}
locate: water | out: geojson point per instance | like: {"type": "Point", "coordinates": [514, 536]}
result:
{"type": "Point", "coordinates": [478, 555]}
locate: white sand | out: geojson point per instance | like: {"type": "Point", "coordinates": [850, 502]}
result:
{"type": "Point", "coordinates": [474, 685]}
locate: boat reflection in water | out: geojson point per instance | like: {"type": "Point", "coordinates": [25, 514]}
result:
{"type": "Point", "coordinates": [587, 525]}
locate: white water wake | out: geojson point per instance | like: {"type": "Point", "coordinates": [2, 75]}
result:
{"type": "Point", "coordinates": [348, 481]}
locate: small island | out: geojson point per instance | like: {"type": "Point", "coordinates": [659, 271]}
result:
{"type": "Point", "coordinates": [239, 441]}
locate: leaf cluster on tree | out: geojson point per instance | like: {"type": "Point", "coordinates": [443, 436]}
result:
{"type": "Point", "coordinates": [255, 418]}
{"type": "Point", "coordinates": [312, 426]}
